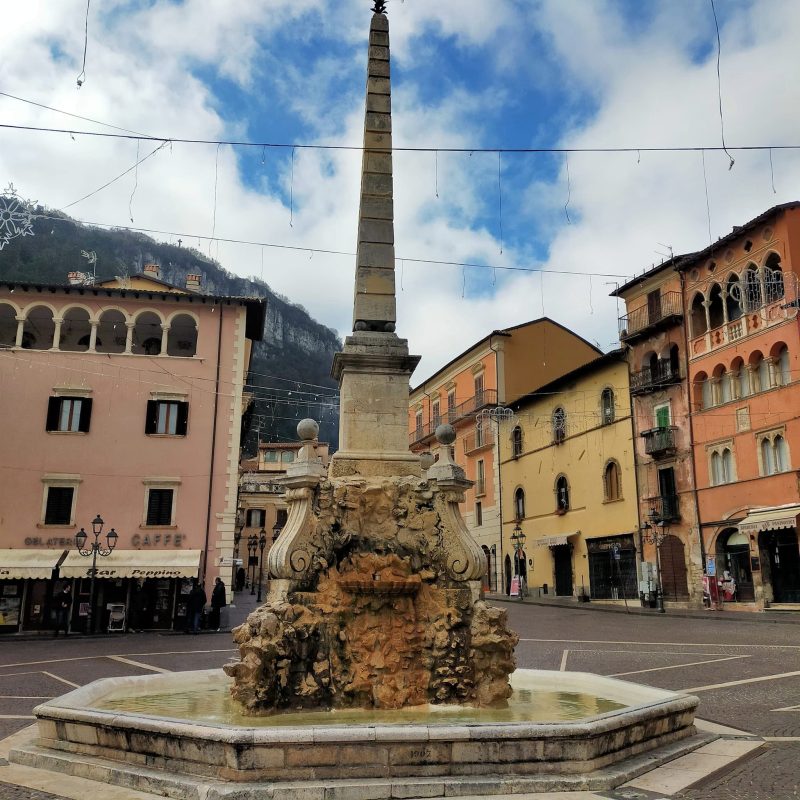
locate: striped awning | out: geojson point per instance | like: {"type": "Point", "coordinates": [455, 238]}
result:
{"type": "Point", "coordinates": [555, 541]}
{"type": "Point", "coordinates": [134, 564]}
{"type": "Point", "coordinates": [18, 564]}
{"type": "Point", "coordinates": [770, 519]}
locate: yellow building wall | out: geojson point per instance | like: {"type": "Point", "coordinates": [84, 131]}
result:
{"type": "Point", "coordinates": [583, 455]}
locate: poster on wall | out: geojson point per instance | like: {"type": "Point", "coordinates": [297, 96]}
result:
{"type": "Point", "coordinates": [9, 610]}
{"type": "Point", "coordinates": [515, 586]}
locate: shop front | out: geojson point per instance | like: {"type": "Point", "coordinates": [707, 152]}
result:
{"type": "Point", "coordinates": [27, 589]}
{"type": "Point", "coordinates": [612, 567]}
{"type": "Point", "coordinates": [134, 589]}
{"type": "Point", "coordinates": [561, 552]}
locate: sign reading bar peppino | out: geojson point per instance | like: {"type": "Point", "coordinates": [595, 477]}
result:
{"type": "Point", "coordinates": [127, 572]}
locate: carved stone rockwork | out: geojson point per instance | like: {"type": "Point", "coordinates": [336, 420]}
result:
{"type": "Point", "coordinates": [375, 602]}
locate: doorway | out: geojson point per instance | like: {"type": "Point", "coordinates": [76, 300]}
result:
{"type": "Point", "coordinates": [733, 552]}
{"type": "Point", "coordinates": [562, 565]}
{"type": "Point", "coordinates": [783, 556]}
{"type": "Point", "coordinates": [507, 573]}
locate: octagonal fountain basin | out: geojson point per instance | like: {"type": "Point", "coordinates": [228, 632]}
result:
{"type": "Point", "coordinates": [560, 725]}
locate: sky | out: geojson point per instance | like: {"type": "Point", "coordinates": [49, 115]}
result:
{"type": "Point", "coordinates": [480, 74]}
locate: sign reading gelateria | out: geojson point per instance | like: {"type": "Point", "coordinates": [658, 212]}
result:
{"type": "Point", "coordinates": [157, 539]}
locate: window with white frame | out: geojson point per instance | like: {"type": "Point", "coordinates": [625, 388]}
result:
{"type": "Point", "coordinates": [559, 421]}
{"type": "Point", "coordinates": [773, 452]}
{"type": "Point", "coordinates": [160, 506]}
{"type": "Point", "coordinates": [721, 464]}
{"type": "Point", "coordinates": [256, 518]}
{"type": "Point", "coordinates": [60, 497]}
{"type": "Point", "coordinates": [478, 514]}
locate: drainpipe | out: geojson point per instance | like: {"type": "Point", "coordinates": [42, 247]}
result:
{"type": "Point", "coordinates": [213, 446]}
{"type": "Point", "coordinates": [499, 565]}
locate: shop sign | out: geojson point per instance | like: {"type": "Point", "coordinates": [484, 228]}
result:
{"type": "Point", "coordinates": [128, 572]}
{"type": "Point", "coordinates": [50, 541]}
{"type": "Point", "coordinates": [157, 539]}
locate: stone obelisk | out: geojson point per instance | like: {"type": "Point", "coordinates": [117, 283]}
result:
{"type": "Point", "coordinates": [374, 367]}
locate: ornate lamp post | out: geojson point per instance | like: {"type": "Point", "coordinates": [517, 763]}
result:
{"type": "Point", "coordinates": [652, 535]}
{"type": "Point", "coordinates": [276, 532]}
{"type": "Point", "coordinates": [262, 543]}
{"type": "Point", "coordinates": [237, 537]}
{"type": "Point", "coordinates": [95, 548]}
{"type": "Point", "coordinates": [518, 542]}
{"type": "Point", "coordinates": [252, 547]}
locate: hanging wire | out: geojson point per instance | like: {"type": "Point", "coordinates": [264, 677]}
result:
{"type": "Point", "coordinates": [569, 189]}
{"type": "Point", "coordinates": [719, 87]}
{"type": "Point", "coordinates": [772, 172]}
{"type": "Point", "coordinates": [135, 182]}
{"type": "Point", "coordinates": [500, 198]}
{"type": "Point", "coordinates": [82, 75]}
{"type": "Point", "coordinates": [291, 195]}
{"type": "Point", "coordinates": [708, 202]}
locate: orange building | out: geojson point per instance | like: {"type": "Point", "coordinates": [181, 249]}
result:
{"type": "Point", "coordinates": [741, 299]}
{"type": "Point", "coordinates": [493, 372]}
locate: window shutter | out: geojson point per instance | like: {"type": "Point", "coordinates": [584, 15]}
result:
{"type": "Point", "coordinates": [159, 507]}
{"type": "Point", "coordinates": [151, 420]}
{"type": "Point", "coordinates": [59, 505]}
{"type": "Point", "coordinates": [86, 415]}
{"type": "Point", "coordinates": [53, 412]}
{"type": "Point", "coordinates": [183, 419]}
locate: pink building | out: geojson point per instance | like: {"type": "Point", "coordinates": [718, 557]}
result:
{"type": "Point", "coordinates": [122, 399]}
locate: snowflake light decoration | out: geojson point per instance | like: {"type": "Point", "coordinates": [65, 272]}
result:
{"type": "Point", "coordinates": [16, 216]}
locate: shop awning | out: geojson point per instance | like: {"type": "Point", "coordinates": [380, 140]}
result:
{"type": "Point", "coordinates": [554, 541]}
{"type": "Point", "coordinates": [770, 519]}
{"type": "Point", "coordinates": [18, 564]}
{"type": "Point", "coordinates": [134, 564]}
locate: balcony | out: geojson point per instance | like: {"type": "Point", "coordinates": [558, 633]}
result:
{"type": "Point", "coordinates": [662, 312]}
{"type": "Point", "coordinates": [478, 440]}
{"type": "Point", "coordinates": [480, 487]}
{"type": "Point", "coordinates": [651, 379]}
{"type": "Point", "coordinates": [488, 397]}
{"type": "Point", "coordinates": [660, 442]}
{"type": "Point", "coordinates": [666, 507]}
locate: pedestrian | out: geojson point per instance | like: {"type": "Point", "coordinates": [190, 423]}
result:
{"type": "Point", "coordinates": [217, 603]}
{"type": "Point", "coordinates": [63, 606]}
{"type": "Point", "coordinates": [241, 576]}
{"type": "Point", "coordinates": [197, 602]}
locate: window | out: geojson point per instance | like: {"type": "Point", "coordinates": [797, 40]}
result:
{"type": "Point", "coordinates": [607, 406]}
{"type": "Point", "coordinates": [287, 456]}
{"type": "Point", "coordinates": [270, 456]}
{"type": "Point", "coordinates": [662, 416]}
{"type": "Point", "coordinates": [516, 442]}
{"type": "Point", "coordinates": [519, 504]}
{"type": "Point", "coordinates": [69, 414]}
{"type": "Point", "coordinates": [562, 494]}
{"type": "Point", "coordinates": [721, 465]}
{"type": "Point", "coordinates": [58, 505]}
{"type": "Point", "coordinates": [166, 418]}
{"type": "Point", "coordinates": [559, 425]}
{"type": "Point", "coordinates": [159, 506]}
{"type": "Point", "coordinates": [698, 315]}
{"type": "Point", "coordinates": [418, 422]}
{"type": "Point", "coordinates": [773, 453]}
{"type": "Point", "coordinates": [708, 398]}
{"type": "Point", "coordinates": [281, 515]}
{"type": "Point", "coordinates": [612, 487]}
{"type": "Point", "coordinates": [480, 483]}
{"type": "Point", "coordinates": [435, 415]}
{"type": "Point", "coordinates": [479, 390]}
{"type": "Point", "coordinates": [783, 367]}
{"type": "Point", "coordinates": [256, 518]}
{"type": "Point", "coordinates": [478, 513]}
{"type": "Point", "coordinates": [451, 405]}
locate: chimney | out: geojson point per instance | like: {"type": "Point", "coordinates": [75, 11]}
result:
{"type": "Point", "coordinates": [193, 281]}
{"type": "Point", "coordinates": [152, 271]}
{"type": "Point", "coordinates": [76, 278]}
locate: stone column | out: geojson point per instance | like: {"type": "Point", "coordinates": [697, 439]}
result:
{"type": "Point", "coordinates": [57, 333]}
{"type": "Point", "coordinates": [93, 337]}
{"type": "Point", "coordinates": [164, 339]}
{"type": "Point", "coordinates": [20, 331]}
{"type": "Point", "coordinates": [772, 371]}
{"type": "Point", "coordinates": [129, 337]}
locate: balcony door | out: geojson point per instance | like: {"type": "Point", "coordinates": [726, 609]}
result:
{"type": "Point", "coordinates": [668, 493]}
{"type": "Point", "coordinates": [654, 306]}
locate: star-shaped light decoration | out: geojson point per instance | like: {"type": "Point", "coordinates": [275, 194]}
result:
{"type": "Point", "coordinates": [16, 216]}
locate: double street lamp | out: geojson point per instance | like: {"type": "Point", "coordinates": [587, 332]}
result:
{"type": "Point", "coordinates": [262, 543]}
{"type": "Point", "coordinates": [654, 532]}
{"type": "Point", "coordinates": [94, 549]}
{"type": "Point", "coordinates": [252, 548]}
{"type": "Point", "coordinates": [237, 537]}
{"type": "Point", "coordinates": [518, 541]}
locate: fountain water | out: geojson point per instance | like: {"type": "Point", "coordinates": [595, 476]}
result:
{"type": "Point", "coordinates": [375, 668]}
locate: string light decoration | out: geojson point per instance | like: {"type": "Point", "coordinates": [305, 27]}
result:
{"type": "Point", "coordinates": [16, 216]}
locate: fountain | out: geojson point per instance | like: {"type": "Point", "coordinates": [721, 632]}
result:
{"type": "Point", "coordinates": [375, 668]}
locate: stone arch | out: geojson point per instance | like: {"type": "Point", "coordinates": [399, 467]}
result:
{"type": "Point", "coordinates": [772, 274]}
{"type": "Point", "coordinates": [561, 489]}
{"type": "Point", "coordinates": [519, 503]}
{"type": "Point", "coordinates": [740, 377]}
{"type": "Point", "coordinates": [701, 393]}
{"type": "Point", "coordinates": [76, 329]}
{"type": "Point", "coordinates": [733, 297]}
{"type": "Point", "coordinates": [716, 315]}
{"type": "Point", "coordinates": [182, 336]}
{"type": "Point", "coordinates": [8, 324]}
{"type": "Point", "coordinates": [516, 441]}
{"type": "Point", "coordinates": [759, 370]}
{"type": "Point", "coordinates": [147, 333]}
{"type": "Point", "coordinates": [39, 328]}
{"type": "Point", "coordinates": [752, 293]}
{"type": "Point", "coordinates": [612, 480]}
{"type": "Point", "coordinates": [112, 331]}
{"type": "Point", "coordinates": [779, 353]}
{"type": "Point", "coordinates": [697, 315]}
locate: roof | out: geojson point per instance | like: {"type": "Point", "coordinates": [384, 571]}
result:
{"type": "Point", "coordinates": [611, 356]}
{"type": "Point", "coordinates": [670, 263]}
{"type": "Point", "coordinates": [145, 276]}
{"type": "Point", "coordinates": [499, 332]}
{"type": "Point", "coordinates": [256, 307]}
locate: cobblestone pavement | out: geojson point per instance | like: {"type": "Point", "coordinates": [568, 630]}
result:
{"type": "Point", "coordinates": [11, 792]}
{"type": "Point", "coordinates": [746, 673]}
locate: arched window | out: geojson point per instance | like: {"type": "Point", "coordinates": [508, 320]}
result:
{"type": "Point", "coordinates": [759, 372]}
{"type": "Point", "coordinates": [773, 278]}
{"type": "Point", "coordinates": [76, 330]}
{"type": "Point", "coordinates": [716, 469]}
{"type": "Point", "coordinates": [708, 397]}
{"type": "Point", "coordinates": [559, 425]}
{"type": "Point", "coordinates": [701, 394]}
{"type": "Point", "coordinates": [516, 442]}
{"type": "Point", "coordinates": [182, 337]}
{"type": "Point", "coordinates": [112, 332]}
{"type": "Point", "coordinates": [715, 312]}
{"type": "Point", "coordinates": [39, 329]}
{"type": "Point", "coordinates": [738, 377]}
{"type": "Point", "coordinates": [147, 334]}
{"type": "Point", "coordinates": [607, 406]}
{"type": "Point", "coordinates": [768, 457]}
{"type": "Point", "coordinates": [698, 315]}
{"type": "Point", "coordinates": [519, 504]}
{"type": "Point", "coordinates": [727, 465]}
{"type": "Point", "coordinates": [612, 487]}
{"type": "Point", "coordinates": [725, 386]}
{"type": "Point", "coordinates": [733, 299]}
{"type": "Point", "coordinates": [8, 325]}
{"type": "Point", "coordinates": [751, 289]}
{"type": "Point", "coordinates": [562, 494]}
{"type": "Point", "coordinates": [781, 453]}
{"type": "Point", "coordinates": [782, 365]}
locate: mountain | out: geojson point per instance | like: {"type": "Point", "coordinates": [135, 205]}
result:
{"type": "Point", "coordinates": [290, 371]}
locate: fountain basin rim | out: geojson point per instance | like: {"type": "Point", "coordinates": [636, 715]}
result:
{"type": "Point", "coordinates": [75, 707]}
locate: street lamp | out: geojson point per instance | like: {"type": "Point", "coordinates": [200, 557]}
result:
{"type": "Point", "coordinates": [252, 547]}
{"type": "Point", "coordinates": [262, 543]}
{"type": "Point", "coordinates": [518, 541]}
{"type": "Point", "coordinates": [276, 532]}
{"type": "Point", "coordinates": [95, 548]}
{"type": "Point", "coordinates": [237, 537]}
{"type": "Point", "coordinates": [652, 535]}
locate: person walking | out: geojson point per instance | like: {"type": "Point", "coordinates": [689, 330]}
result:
{"type": "Point", "coordinates": [63, 606]}
{"type": "Point", "coordinates": [241, 576]}
{"type": "Point", "coordinates": [197, 602]}
{"type": "Point", "coordinates": [217, 603]}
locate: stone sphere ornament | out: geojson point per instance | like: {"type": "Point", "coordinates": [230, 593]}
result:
{"type": "Point", "coordinates": [426, 461]}
{"type": "Point", "coordinates": [445, 433]}
{"type": "Point", "coordinates": [308, 429]}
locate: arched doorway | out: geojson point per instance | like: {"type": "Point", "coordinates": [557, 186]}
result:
{"type": "Point", "coordinates": [507, 574]}
{"type": "Point", "coordinates": [781, 560]}
{"type": "Point", "coordinates": [733, 555]}
{"type": "Point", "coordinates": [673, 569]}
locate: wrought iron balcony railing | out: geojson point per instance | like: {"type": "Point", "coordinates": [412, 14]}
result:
{"type": "Point", "coordinates": [478, 440]}
{"type": "Point", "coordinates": [663, 311]}
{"type": "Point", "coordinates": [666, 507]}
{"type": "Point", "coordinates": [487, 397]}
{"type": "Point", "coordinates": [652, 378]}
{"type": "Point", "coordinates": [659, 442]}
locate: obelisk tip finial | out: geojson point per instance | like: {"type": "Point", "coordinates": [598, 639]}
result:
{"type": "Point", "coordinates": [379, 6]}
